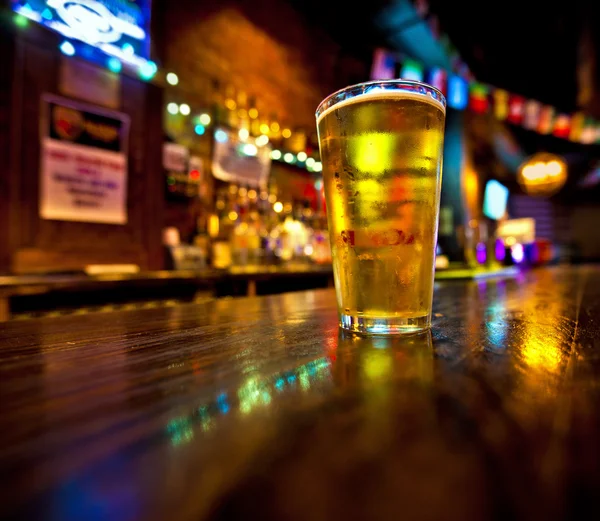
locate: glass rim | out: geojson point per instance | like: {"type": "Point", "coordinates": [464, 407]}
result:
{"type": "Point", "coordinates": [351, 91]}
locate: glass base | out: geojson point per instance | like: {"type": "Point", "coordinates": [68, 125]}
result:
{"type": "Point", "coordinates": [385, 325]}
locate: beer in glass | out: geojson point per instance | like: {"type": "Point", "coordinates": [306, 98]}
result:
{"type": "Point", "coordinates": [381, 150]}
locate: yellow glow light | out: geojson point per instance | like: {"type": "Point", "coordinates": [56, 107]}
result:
{"type": "Point", "coordinates": [264, 128]}
{"type": "Point", "coordinates": [286, 133]}
{"type": "Point", "coordinates": [172, 78]}
{"type": "Point", "coordinates": [233, 216]}
{"type": "Point", "coordinates": [278, 207]}
{"type": "Point", "coordinates": [378, 364]}
{"type": "Point", "coordinates": [253, 113]}
{"type": "Point", "coordinates": [213, 225]}
{"type": "Point", "coordinates": [553, 168]}
{"type": "Point", "coordinates": [539, 352]}
{"type": "Point", "coordinates": [543, 174]}
{"type": "Point", "coordinates": [262, 140]}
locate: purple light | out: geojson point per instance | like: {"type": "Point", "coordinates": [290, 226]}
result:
{"type": "Point", "coordinates": [517, 253]}
{"type": "Point", "coordinates": [533, 253]}
{"type": "Point", "coordinates": [480, 253]}
{"type": "Point", "coordinates": [500, 250]}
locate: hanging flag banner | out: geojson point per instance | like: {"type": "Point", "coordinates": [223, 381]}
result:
{"type": "Point", "coordinates": [463, 92]}
{"type": "Point", "coordinates": [384, 65]}
{"type": "Point", "coordinates": [516, 109]}
{"type": "Point", "coordinates": [577, 123]}
{"type": "Point", "coordinates": [437, 78]}
{"type": "Point", "coordinates": [479, 98]}
{"type": "Point", "coordinates": [562, 126]}
{"type": "Point", "coordinates": [411, 70]}
{"type": "Point", "coordinates": [500, 104]}
{"type": "Point", "coordinates": [546, 120]}
{"type": "Point", "coordinates": [458, 93]}
{"type": "Point", "coordinates": [588, 134]}
{"type": "Point", "coordinates": [532, 114]}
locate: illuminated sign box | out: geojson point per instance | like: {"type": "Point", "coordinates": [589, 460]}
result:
{"type": "Point", "coordinates": [495, 200]}
{"type": "Point", "coordinates": [119, 28]}
{"type": "Point", "coordinates": [458, 93]}
{"type": "Point", "coordinates": [520, 230]}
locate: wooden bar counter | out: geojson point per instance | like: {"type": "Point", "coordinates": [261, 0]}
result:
{"type": "Point", "coordinates": [260, 408]}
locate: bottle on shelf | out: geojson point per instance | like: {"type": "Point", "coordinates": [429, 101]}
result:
{"type": "Point", "coordinates": [230, 103]}
{"type": "Point", "coordinates": [226, 215]}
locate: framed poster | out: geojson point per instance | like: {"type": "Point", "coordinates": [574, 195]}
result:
{"type": "Point", "coordinates": [83, 171]}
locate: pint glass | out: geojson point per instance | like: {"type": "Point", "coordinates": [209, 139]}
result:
{"type": "Point", "coordinates": [381, 149]}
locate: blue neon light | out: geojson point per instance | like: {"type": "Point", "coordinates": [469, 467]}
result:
{"type": "Point", "coordinates": [221, 136]}
{"type": "Point", "coordinates": [120, 28]}
{"type": "Point", "coordinates": [495, 200]}
{"type": "Point", "coordinates": [67, 48]}
{"type": "Point", "coordinates": [114, 64]}
{"type": "Point", "coordinates": [148, 70]}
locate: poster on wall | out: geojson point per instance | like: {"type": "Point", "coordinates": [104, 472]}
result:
{"type": "Point", "coordinates": [83, 171]}
{"type": "Point", "coordinates": [175, 157]}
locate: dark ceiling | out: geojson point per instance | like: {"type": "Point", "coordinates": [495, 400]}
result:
{"type": "Point", "coordinates": [524, 46]}
{"type": "Point", "coordinates": [527, 47]}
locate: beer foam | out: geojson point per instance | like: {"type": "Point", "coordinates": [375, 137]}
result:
{"type": "Point", "coordinates": [383, 94]}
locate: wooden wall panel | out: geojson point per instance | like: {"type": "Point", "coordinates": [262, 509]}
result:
{"type": "Point", "coordinates": [41, 245]}
{"type": "Point", "coordinates": [6, 92]}
{"type": "Point", "coordinates": [265, 48]}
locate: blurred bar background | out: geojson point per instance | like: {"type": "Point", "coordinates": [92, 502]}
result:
{"type": "Point", "coordinates": [154, 153]}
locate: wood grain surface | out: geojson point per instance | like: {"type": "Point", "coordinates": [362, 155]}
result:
{"type": "Point", "coordinates": [260, 408]}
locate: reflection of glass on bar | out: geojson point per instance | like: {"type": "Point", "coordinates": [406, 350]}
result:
{"type": "Point", "coordinates": [381, 148]}
{"type": "Point", "coordinates": [405, 360]}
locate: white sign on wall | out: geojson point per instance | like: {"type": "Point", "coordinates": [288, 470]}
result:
{"type": "Point", "coordinates": [175, 157]}
{"type": "Point", "coordinates": [83, 174]}
{"type": "Point", "coordinates": [245, 162]}
{"type": "Point", "coordinates": [522, 230]}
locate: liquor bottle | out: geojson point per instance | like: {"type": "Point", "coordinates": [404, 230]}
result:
{"type": "Point", "coordinates": [232, 120]}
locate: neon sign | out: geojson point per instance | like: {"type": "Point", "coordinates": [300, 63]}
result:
{"type": "Point", "coordinates": [120, 28]}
